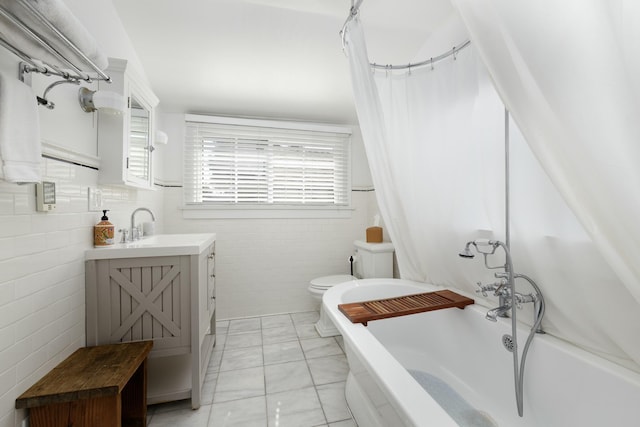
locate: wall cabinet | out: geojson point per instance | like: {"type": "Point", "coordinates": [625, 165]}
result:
{"type": "Point", "coordinates": [168, 299]}
{"type": "Point", "coordinates": [125, 141]}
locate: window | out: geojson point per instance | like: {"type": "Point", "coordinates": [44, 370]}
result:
{"type": "Point", "coordinates": [245, 163]}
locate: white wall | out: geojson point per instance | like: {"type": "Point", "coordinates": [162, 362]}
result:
{"type": "Point", "coordinates": [42, 307]}
{"type": "Point", "coordinates": [264, 266]}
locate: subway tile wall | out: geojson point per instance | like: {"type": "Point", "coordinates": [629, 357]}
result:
{"type": "Point", "coordinates": [42, 307]}
{"type": "Point", "coordinates": [263, 266]}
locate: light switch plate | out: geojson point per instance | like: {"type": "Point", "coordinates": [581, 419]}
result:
{"type": "Point", "coordinates": [95, 199]}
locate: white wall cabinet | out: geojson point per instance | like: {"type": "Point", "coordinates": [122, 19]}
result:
{"type": "Point", "coordinates": [168, 299]}
{"type": "Point", "coordinates": [125, 141]}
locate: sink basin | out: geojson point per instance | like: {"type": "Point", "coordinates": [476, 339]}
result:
{"type": "Point", "coordinates": [158, 245]}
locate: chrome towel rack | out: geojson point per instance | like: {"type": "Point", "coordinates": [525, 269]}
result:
{"type": "Point", "coordinates": [71, 70]}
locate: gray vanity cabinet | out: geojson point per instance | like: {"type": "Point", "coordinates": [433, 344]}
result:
{"type": "Point", "coordinates": [167, 299]}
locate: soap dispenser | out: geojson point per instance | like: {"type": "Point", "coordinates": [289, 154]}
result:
{"type": "Point", "coordinates": [103, 232]}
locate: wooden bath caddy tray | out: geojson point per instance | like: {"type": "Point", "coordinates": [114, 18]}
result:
{"type": "Point", "coordinates": [362, 312]}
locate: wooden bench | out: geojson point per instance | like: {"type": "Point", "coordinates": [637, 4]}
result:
{"type": "Point", "coordinates": [95, 386]}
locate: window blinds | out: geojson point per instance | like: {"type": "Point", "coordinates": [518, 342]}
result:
{"type": "Point", "coordinates": [261, 165]}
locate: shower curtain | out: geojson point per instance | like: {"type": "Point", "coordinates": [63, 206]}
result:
{"type": "Point", "coordinates": [568, 71]}
{"type": "Point", "coordinates": [434, 139]}
{"type": "Point", "coordinates": [413, 140]}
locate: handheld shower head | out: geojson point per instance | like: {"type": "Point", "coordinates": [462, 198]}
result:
{"type": "Point", "coordinates": [466, 253]}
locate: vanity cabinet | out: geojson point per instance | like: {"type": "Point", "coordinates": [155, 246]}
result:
{"type": "Point", "coordinates": [167, 298]}
{"type": "Point", "coordinates": [125, 141]}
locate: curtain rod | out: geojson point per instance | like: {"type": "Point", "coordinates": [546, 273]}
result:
{"type": "Point", "coordinates": [353, 12]}
{"type": "Point", "coordinates": [429, 61]}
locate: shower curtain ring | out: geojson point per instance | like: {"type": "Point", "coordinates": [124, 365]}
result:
{"type": "Point", "coordinates": [431, 63]}
{"type": "Point", "coordinates": [454, 53]}
{"type": "Point", "coordinates": [409, 68]}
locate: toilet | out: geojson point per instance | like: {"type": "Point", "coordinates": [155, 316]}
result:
{"type": "Point", "coordinates": [371, 260]}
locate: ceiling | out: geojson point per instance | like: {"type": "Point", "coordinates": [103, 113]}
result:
{"type": "Point", "coordinates": [267, 58]}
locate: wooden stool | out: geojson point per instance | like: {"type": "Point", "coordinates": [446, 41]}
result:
{"type": "Point", "coordinates": [95, 386]}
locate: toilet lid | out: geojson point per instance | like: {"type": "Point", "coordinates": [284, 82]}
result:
{"type": "Point", "coordinates": [326, 282]}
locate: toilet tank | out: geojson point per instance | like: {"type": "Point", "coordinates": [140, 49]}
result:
{"type": "Point", "coordinates": [373, 260]}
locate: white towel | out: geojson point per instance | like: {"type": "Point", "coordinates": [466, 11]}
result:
{"type": "Point", "coordinates": [61, 17]}
{"type": "Point", "coordinates": [20, 148]}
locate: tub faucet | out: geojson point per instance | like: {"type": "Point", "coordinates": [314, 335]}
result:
{"type": "Point", "coordinates": [509, 300]}
{"type": "Point", "coordinates": [498, 311]}
{"type": "Point", "coordinates": [135, 235]}
{"type": "Point", "coordinates": [500, 289]}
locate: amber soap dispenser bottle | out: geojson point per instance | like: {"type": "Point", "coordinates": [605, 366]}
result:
{"type": "Point", "coordinates": [103, 232]}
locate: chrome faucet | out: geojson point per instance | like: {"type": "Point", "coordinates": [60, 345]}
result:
{"type": "Point", "coordinates": [505, 288]}
{"type": "Point", "coordinates": [509, 300]}
{"type": "Point", "coordinates": [498, 311]}
{"type": "Point", "coordinates": [504, 292]}
{"type": "Point", "coordinates": [501, 289]}
{"type": "Point", "coordinates": [135, 233]}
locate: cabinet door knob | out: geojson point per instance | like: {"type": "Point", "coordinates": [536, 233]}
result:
{"type": "Point", "coordinates": [212, 256]}
{"type": "Point", "coordinates": [213, 276]}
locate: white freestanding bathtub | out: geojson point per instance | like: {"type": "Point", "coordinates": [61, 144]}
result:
{"type": "Point", "coordinates": [449, 368]}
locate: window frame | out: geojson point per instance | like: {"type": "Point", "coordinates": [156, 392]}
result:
{"type": "Point", "coordinates": [214, 210]}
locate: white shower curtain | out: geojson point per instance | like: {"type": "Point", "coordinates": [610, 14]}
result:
{"type": "Point", "coordinates": [569, 73]}
{"type": "Point", "coordinates": [375, 137]}
{"type": "Point", "coordinates": [434, 140]}
{"type": "Point", "coordinates": [412, 141]}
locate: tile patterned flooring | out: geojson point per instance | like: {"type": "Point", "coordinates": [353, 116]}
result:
{"type": "Point", "coordinates": [271, 371]}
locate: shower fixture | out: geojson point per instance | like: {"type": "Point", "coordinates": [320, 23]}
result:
{"type": "Point", "coordinates": [466, 253]}
{"type": "Point", "coordinates": [484, 247]}
{"type": "Point", "coordinates": [503, 288]}
{"type": "Point", "coordinates": [509, 300]}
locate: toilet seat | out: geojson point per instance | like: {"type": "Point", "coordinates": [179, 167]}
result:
{"type": "Point", "coordinates": [326, 282]}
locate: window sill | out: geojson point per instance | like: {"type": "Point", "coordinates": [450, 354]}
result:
{"type": "Point", "coordinates": [262, 212]}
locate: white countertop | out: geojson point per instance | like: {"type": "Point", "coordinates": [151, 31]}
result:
{"type": "Point", "coordinates": [158, 245]}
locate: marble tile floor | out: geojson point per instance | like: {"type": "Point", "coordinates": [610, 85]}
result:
{"type": "Point", "coordinates": [270, 371]}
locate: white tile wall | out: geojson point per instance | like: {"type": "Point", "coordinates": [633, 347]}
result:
{"type": "Point", "coordinates": [42, 306]}
{"type": "Point", "coordinates": [263, 266]}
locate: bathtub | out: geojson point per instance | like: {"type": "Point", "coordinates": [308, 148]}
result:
{"type": "Point", "coordinates": [449, 368]}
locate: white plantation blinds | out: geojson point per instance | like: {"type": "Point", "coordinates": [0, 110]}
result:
{"type": "Point", "coordinates": [237, 164]}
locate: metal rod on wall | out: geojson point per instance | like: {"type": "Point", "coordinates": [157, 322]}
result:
{"type": "Point", "coordinates": [429, 61]}
{"type": "Point", "coordinates": [507, 201]}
